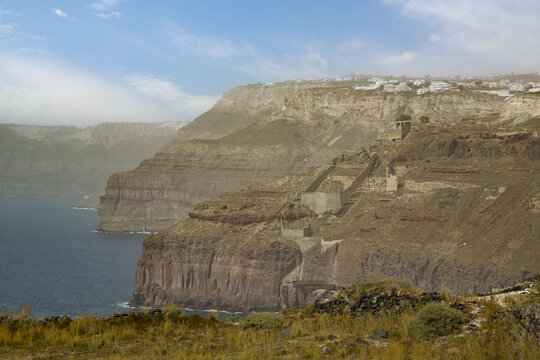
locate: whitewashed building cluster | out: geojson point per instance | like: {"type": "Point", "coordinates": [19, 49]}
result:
{"type": "Point", "coordinates": [504, 87]}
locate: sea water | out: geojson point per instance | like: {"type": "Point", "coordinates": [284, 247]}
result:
{"type": "Point", "coordinates": [53, 260]}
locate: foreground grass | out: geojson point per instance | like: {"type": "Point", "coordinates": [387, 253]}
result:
{"type": "Point", "coordinates": [144, 336]}
{"type": "Point", "coordinates": [296, 334]}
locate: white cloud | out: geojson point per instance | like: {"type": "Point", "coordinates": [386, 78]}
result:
{"type": "Point", "coordinates": [201, 44]}
{"type": "Point", "coordinates": [6, 29]}
{"type": "Point", "coordinates": [434, 38]}
{"type": "Point", "coordinates": [59, 13]}
{"type": "Point", "coordinates": [5, 12]}
{"type": "Point", "coordinates": [42, 91]}
{"type": "Point", "coordinates": [404, 57]}
{"type": "Point", "coordinates": [477, 36]}
{"type": "Point", "coordinates": [287, 67]}
{"type": "Point", "coordinates": [103, 4]}
{"type": "Point", "coordinates": [245, 58]}
{"type": "Point", "coordinates": [112, 14]}
{"type": "Point", "coordinates": [350, 47]}
{"type": "Point", "coordinates": [171, 94]}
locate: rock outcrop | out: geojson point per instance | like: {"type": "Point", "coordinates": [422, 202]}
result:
{"type": "Point", "coordinates": [269, 132]}
{"type": "Point", "coordinates": [521, 108]}
{"type": "Point", "coordinates": [459, 217]}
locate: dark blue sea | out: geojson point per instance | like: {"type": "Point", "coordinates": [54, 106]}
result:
{"type": "Point", "coordinates": [53, 260]}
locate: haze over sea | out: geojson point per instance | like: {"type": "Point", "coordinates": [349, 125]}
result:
{"type": "Point", "coordinates": [52, 260]}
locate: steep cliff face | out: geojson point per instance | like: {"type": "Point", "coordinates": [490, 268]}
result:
{"type": "Point", "coordinates": [238, 108]}
{"type": "Point", "coordinates": [462, 212]}
{"type": "Point", "coordinates": [283, 128]}
{"type": "Point", "coordinates": [162, 190]}
{"type": "Point", "coordinates": [221, 270]}
{"type": "Point", "coordinates": [521, 107]}
{"type": "Point", "coordinates": [63, 160]}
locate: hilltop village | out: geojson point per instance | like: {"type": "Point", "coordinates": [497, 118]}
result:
{"type": "Point", "coordinates": [505, 87]}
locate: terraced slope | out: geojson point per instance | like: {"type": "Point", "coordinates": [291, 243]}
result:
{"type": "Point", "coordinates": [275, 130]}
{"type": "Point", "coordinates": [464, 214]}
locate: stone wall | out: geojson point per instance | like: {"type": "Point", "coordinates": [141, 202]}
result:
{"type": "Point", "coordinates": [391, 183]}
{"type": "Point", "coordinates": [321, 202]}
{"type": "Point", "coordinates": [295, 233]}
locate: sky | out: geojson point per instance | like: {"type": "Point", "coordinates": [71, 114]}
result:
{"type": "Point", "coordinates": [81, 62]}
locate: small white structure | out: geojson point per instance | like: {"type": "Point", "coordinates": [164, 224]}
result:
{"type": "Point", "coordinates": [438, 86]}
{"type": "Point", "coordinates": [504, 83]}
{"type": "Point", "coordinates": [534, 90]}
{"type": "Point", "coordinates": [516, 87]}
{"type": "Point", "coordinates": [368, 87]}
{"type": "Point", "coordinates": [418, 82]}
{"type": "Point", "coordinates": [403, 87]}
{"type": "Point", "coordinates": [391, 181]}
{"type": "Point", "coordinates": [321, 202]}
{"type": "Point", "coordinates": [499, 92]}
{"type": "Point", "coordinates": [422, 91]}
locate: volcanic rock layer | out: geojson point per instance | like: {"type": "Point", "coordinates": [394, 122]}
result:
{"type": "Point", "coordinates": [260, 133]}
{"type": "Point", "coordinates": [462, 214]}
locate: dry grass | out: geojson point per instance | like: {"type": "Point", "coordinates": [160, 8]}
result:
{"type": "Point", "coordinates": [295, 334]}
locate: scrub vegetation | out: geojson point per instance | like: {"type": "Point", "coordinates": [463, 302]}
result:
{"type": "Point", "coordinates": [432, 331]}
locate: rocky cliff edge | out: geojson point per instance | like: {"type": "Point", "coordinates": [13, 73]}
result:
{"type": "Point", "coordinates": [451, 206]}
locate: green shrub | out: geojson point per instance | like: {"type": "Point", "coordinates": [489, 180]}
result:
{"type": "Point", "coordinates": [424, 118]}
{"type": "Point", "coordinates": [264, 320]}
{"type": "Point", "coordinates": [404, 117]}
{"type": "Point", "coordinates": [436, 319]}
{"type": "Point", "coordinates": [379, 286]}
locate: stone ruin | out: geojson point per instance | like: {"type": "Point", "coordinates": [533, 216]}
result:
{"type": "Point", "coordinates": [391, 180]}
{"type": "Point", "coordinates": [402, 128]}
{"type": "Point", "coordinates": [334, 186]}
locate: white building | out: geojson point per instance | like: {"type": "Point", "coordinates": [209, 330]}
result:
{"type": "Point", "coordinates": [438, 86]}
{"type": "Point", "coordinates": [516, 87]}
{"type": "Point", "coordinates": [367, 87]}
{"type": "Point", "coordinates": [422, 91]}
{"type": "Point", "coordinates": [504, 83]}
{"type": "Point", "coordinates": [418, 82]}
{"type": "Point", "coordinates": [403, 87]}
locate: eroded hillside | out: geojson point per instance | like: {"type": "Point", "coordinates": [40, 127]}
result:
{"type": "Point", "coordinates": [453, 205]}
{"type": "Point", "coordinates": [275, 130]}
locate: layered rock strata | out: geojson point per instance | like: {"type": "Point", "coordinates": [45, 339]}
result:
{"type": "Point", "coordinates": [274, 130]}
{"type": "Point", "coordinates": [461, 216]}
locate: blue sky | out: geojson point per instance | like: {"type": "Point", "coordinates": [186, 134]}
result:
{"type": "Point", "coordinates": [86, 61]}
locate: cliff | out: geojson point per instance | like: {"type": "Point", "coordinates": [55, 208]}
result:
{"type": "Point", "coordinates": [64, 160]}
{"type": "Point", "coordinates": [451, 205]}
{"type": "Point", "coordinates": [521, 108]}
{"type": "Point", "coordinates": [274, 130]}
